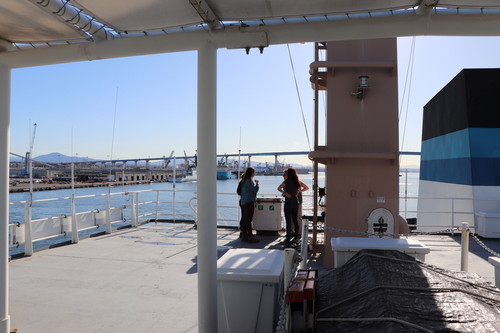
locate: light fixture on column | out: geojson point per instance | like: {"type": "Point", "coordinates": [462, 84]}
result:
{"type": "Point", "coordinates": [360, 89]}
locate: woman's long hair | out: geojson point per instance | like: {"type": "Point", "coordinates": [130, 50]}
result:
{"type": "Point", "coordinates": [248, 174]}
{"type": "Point", "coordinates": [292, 176]}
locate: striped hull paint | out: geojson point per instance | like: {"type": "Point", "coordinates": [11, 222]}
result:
{"type": "Point", "coordinates": [460, 160]}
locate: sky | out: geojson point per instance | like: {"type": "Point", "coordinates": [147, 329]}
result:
{"type": "Point", "coordinates": [139, 107]}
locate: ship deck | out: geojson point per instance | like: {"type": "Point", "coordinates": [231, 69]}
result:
{"type": "Point", "coordinates": [145, 279]}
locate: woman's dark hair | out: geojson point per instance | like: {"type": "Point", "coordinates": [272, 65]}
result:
{"type": "Point", "coordinates": [249, 173]}
{"type": "Point", "coordinates": [292, 176]}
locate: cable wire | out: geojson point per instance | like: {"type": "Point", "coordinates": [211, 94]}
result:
{"type": "Point", "coordinates": [298, 95]}
{"type": "Point", "coordinates": [409, 75]}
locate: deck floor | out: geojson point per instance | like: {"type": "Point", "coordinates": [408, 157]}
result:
{"type": "Point", "coordinates": [144, 280]}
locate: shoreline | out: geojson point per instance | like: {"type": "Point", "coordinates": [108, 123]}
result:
{"type": "Point", "coordinates": [25, 187]}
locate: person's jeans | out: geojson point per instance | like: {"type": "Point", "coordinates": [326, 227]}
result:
{"type": "Point", "coordinates": [248, 210]}
{"type": "Point", "coordinates": [291, 216]}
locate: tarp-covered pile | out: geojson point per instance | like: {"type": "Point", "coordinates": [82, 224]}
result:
{"type": "Point", "coordinates": [389, 291]}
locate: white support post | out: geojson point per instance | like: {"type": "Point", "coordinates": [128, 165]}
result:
{"type": "Point", "coordinates": [207, 188]}
{"type": "Point", "coordinates": [288, 275]}
{"type": "Point", "coordinates": [137, 209]}
{"type": "Point", "coordinates": [28, 238]}
{"type": "Point", "coordinates": [109, 228]}
{"type": "Point", "coordinates": [464, 262]}
{"type": "Point", "coordinates": [4, 196]}
{"type": "Point", "coordinates": [74, 226]}
{"type": "Point", "coordinates": [304, 244]}
{"type": "Point", "coordinates": [133, 210]}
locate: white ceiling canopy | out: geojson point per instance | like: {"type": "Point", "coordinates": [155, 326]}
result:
{"type": "Point", "coordinates": [145, 15]}
{"type": "Point", "coordinates": [27, 24]}
{"type": "Point", "coordinates": [29, 21]}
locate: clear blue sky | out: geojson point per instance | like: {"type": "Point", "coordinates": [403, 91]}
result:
{"type": "Point", "coordinates": [154, 99]}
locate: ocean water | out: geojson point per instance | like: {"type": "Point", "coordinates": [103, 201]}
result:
{"type": "Point", "coordinates": [170, 201]}
{"type": "Point", "coordinates": [179, 198]}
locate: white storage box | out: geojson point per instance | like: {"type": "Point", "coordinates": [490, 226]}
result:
{"type": "Point", "coordinates": [488, 224]}
{"type": "Point", "coordinates": [344, 248]}
{"type": "Point", "coordinates": [249, 286]}
{"type": "Point", "coordinates": [267, 215]}
{"type": "Point", "coordinates": [495, 261]}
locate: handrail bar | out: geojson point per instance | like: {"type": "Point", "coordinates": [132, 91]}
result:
{"type": "Point", "coordinates": [181, 207]}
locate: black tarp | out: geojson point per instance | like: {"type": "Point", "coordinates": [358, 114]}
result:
{"type": "Point", "coordinates": [379, 285]}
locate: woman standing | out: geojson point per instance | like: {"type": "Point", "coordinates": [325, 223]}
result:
{"type": "Point", "coordinates": [249, 191]}
{"type": "Point", "coordinates": [292, 188]}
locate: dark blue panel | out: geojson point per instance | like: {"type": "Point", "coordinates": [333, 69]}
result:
{"type": "Point", "coordinates": [455, 171]}
{"type": "Point", "coordinates": [486, 171]}
{"type": "Point", "coordinates": [465, 171]}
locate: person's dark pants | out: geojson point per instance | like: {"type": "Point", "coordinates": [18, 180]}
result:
{"type": "Point", "coordinates": [291, 216]}
{"type": "Point", "coordinates": [241, 219]}
{"type": "Point", "coordinates": [246, 227]}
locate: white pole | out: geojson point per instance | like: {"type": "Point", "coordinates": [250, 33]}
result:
{"type": "Point", "coordinates": [406, 191]}
{"type": "Point", "coordinates": [28, 238]}
{"type": "Point", "coordinates": [304, 246]}
{"type": "Point", "coordinates": [464, 258]}
{"type": "Point", "coordinates": [4, 196]}
{"type": "Point", "coordinates": [175, 172]}
{"type": "Point", "coordinates": [109, 228]}
{"type": "Point", "coordinates": [74, 227]}
{"type": "Point", "coordinates": [239, 158]}
{"type": "Point", "coordinates": [133, 209]}
{"type": "Point", "coordinates": [287, 278]}
{"type": "Point", "coordinates": [28, 242]}
{"type": "Point", "coordinates": [207, 188]}
{"type": "Point", "coordinates": [239, 171]}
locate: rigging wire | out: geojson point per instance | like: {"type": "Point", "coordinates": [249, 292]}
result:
{"type": "Point", "coordinates": [114, 123]}
{"type": "Point", "coordinates": [298, 95]}
{"type": "Point", "coordinates": [113, 137]}
{"type": "Point", "coordinates": [409, 75]}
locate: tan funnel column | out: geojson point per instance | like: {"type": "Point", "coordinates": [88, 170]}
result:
{"type": "Point", "coordinates": [361, 152]}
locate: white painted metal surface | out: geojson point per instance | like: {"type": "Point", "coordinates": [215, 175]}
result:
{"type": "Point", "coordinates": [268, 214]}
{"type": "Point", "coordinates": [4, 196]}
{"type": "Point", "coordinates": [207, 187]}
{"type": "Point", "coordinates": [464, 257]}
{"type": "Point", "coordinates": [495, 261]}
{"type": "Point", "coordinates": [248, 289]}
{"type": "Point", "coordinates": [53, 21]}
{"type": "Point", "coordinates": [26, 31]}
{"type": "Point", "coordinates": [488, 224]}
{"type": "Point", "coordinates": [344, 248]}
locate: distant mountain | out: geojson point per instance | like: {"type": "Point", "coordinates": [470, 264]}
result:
{"type": "Point", "coordinates": [15, 159]}
{"type": "Point", "coordinates": [60, 158]}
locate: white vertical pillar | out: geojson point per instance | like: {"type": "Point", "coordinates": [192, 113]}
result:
{"type": "Point", "coordinates": [4, 196]}
{"type": "Point", "coordinates": [109, 227]}
{"type": "Point", "coordinates": [464, 254]}
{"type": "Point", "coordinates": [74, 225]}
{"type": "Point", "coordinates": [207, 188]}
{"type": "Point", "coordinates": [133, 208]}
{"type": "Point", "coordinates": [28, 235]}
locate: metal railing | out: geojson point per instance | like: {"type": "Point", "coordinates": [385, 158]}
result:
{"type": "Point", "coordinates": [103, 212]}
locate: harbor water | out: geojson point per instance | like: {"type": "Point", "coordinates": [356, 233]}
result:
{"type": "Point", "coordinates": [169, 201]}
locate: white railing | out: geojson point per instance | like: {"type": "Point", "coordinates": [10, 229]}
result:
{"type": "Point", "coordinates": [104, 212]}
{"type": "Point", "coordinates": [439, 213]}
